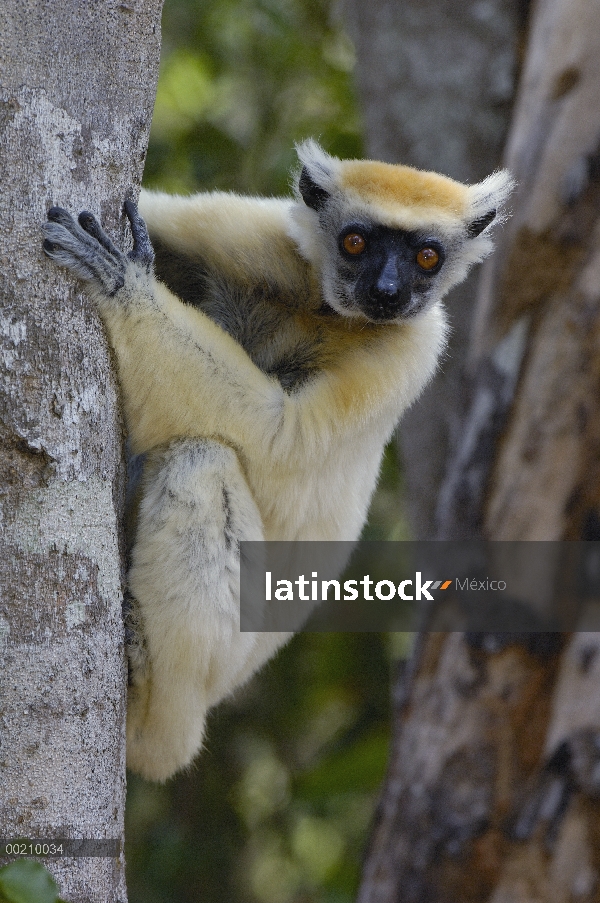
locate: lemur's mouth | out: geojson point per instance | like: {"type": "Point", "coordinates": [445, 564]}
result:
{"type": "Point", "coordinates": [382, 306]}
{"type": "Point", "coordinates": [394, 313]}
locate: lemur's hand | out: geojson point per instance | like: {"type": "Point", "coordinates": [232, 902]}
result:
{"type": "Point", "coordinates": [88, 252]}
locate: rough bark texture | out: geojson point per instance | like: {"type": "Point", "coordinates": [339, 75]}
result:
{"type": "Point", "coordinates": [464, 741]}
{"type": "Point", "coordinates": [527, 466]}
{"type": "Point", "coordinates": [77, 90]}
{"type": "Point", "coordinates": [494, 783]}
{"type": "Point", "coordinates": [436, 82]}
{"type": "Point", "coordinates": [492, 790]}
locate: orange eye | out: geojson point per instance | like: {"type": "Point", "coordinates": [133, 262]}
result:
{"type": "Point", "coordinates": [428, 258]}
{"type": "Point", "coordinates": [354, 243]}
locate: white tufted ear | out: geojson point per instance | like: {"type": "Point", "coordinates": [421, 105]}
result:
{"type": "Point", "coordinates": [486, 200]}
{"type": "Point", "coordinates": [318, 175]}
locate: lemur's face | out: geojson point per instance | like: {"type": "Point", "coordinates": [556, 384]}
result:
{"type": "Point", "coordinates": [389, 241]}
{"type": "Point", "coordinates": [384, 274]}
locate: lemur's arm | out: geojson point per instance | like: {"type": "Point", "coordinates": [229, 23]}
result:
{"type": "Point", "coordinates": [243, 237]}
{"type": "Point", "coordinates": [190, 378]}
{"type": "Point", "coordinates": [187, 377]}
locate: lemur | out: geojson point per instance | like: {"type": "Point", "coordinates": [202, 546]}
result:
{"type": "Point", "coordinates": [266, 349]}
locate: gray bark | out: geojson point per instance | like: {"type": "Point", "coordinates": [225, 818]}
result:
{"type": "Point", "coordinates": [527, 466]}
{"type": "Point", "coordinates": [470, 730]}
{"type": "Point", "coordinates": [436, 82]}
{"type": "Point", "coordinates": [77, 85]}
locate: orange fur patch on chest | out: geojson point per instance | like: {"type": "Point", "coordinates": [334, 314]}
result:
{"type": "Point", "coordinates": [387, 184]}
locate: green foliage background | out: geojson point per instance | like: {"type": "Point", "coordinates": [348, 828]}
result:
{"type": "Point", "coordinates": [26, 881]}
{"type": "Point", "coordinates": [240, 82]}
{"type": "Point", "coordinates": [277, 808]}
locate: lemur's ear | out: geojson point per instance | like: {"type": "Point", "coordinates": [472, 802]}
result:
{"type": "Point", "coordinates": [317, 176]}
{"type": "Point", "coordinates": [486, 201]}
{"type": "Point", "coordinates": [478, 225]}
{"type": "Point", "coordinates": [313, 195]}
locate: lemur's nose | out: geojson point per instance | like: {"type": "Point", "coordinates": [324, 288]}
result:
{"type": "Point", "coordinates": [389, 282]}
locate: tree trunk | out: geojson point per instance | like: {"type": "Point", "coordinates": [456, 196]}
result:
{"type": "Point", "coordinates": [528, 467]}
{"type": "Point", "coordinates": [439, 97]}
{"type": "Point", "coordinates": [77, 89]}
{"type": "Point", "coordinates": [493, 788]}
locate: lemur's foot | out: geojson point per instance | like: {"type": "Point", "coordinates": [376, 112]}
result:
{"type": "Point", "coordinates": [85, 248]}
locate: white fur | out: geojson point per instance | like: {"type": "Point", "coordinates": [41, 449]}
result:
{"type": "Point", "coordinates": [232, 455]}
{"type": "Point", "coordinates": [309, 466]}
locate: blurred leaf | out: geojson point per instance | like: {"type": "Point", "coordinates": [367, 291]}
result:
{"type": "Point", "coordinates": [27, 881]}
{"type": "Point", "coordinates": [359, 766]}
{"type": "Point", "coordinates": [318, 845]}
{"type": "Point", "coordinates": [186, 91]}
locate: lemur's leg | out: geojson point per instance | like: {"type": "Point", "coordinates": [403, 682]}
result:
{"type": "Point", "coordinates": [184, 579]}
